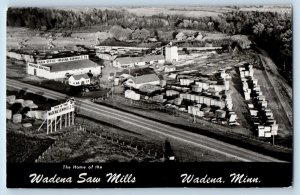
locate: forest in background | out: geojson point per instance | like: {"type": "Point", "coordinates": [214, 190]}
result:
{"type": "Point", "coordinates": [271, 31]}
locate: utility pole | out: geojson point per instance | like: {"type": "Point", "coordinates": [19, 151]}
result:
{"type": "Point", "coordinates": [128, 70]}
{"type": "Point", "coordinates": [135, 77]}
{"type": "Point", "coordinates": [112, 89]}
{"type": "Point", "coordinates": [130, 98]}
{"type": "Point", "coordinates": [44, 52]}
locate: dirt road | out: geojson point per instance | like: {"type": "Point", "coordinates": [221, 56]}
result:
{"type": "Point", "coordinates": [282, 89]}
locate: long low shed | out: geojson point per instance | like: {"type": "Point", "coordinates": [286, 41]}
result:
{"type": "Point", "coordinates": [60, 67]}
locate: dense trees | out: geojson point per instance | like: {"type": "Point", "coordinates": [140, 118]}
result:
{"type": "Point", "coordinates": [270, 30]}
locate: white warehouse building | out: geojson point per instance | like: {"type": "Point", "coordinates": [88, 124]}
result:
{"type": "Point", "coordinates": [60, 67]}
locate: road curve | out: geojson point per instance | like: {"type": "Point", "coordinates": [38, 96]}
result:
{"type": "Point", "coordinates": [98, 111]}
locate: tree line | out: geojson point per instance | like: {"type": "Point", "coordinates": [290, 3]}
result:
{"type": "Point", "coordinates": [270, 30]}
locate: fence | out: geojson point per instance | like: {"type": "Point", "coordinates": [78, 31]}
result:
{"type": "Point", "coordinates": [114, 138]}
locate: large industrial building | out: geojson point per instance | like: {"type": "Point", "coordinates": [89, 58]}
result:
{"type": "Point", "coordinates": [60, 67]}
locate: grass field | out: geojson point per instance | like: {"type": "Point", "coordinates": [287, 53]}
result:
{"type": "Point", "coordinates": [22, 147]}
{"type": "Point", "coordinates": [37, 42]}
{"type": "Point", "coordinates": [184, 152]}
{"type": "Point", "coordinates": [15, 69]}
{"type": "Point", "coordinates": [268, 8]}
{"type": "Point", "coordinates": [81, 146]}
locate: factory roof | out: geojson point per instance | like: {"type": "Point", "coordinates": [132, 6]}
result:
{"type": "Point", "coordinates": [170, 66]}
{"type": "Point", "coordinates": [71, 65]}
{"type": "Point", "coordinates": [130, 60]}
{"type": "Point", "coordinates": [145, 78]}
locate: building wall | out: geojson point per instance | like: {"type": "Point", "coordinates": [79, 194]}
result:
{"type": "Point", "coordinates": [168, 69]}
{"type": "Point", "coordinates": [117, 64]}
{"type": "Point", "coordinates": [161, 61]}
{"type": "Point", "coordinates": [171, 54]}
{"type": "Point", "coordinates": [132, 95]}
{"type": "Point", "coordinates": [61, 74]}
{"type": "Point", "coordinates": [46, 73]}
{"type": "Point", "coordinates": [74, 82]}
{"type": "Point", "coordinates": [140, 63]}
{"type": "Point", "coordinates": [40, 70]}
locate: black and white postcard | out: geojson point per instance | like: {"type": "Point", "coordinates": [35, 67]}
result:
{"type": "Point", "coordinates": [149, 96]}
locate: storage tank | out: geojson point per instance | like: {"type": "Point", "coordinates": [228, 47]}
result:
{"type": "Point", "coordinates": [17, 118]}
{"type": "Point", "coordinates": [28, 103]}
{"type": "Point", "coordinates": [8, 114]}
{"type": "Point", "coordinates": [26, 125]}
{"type": "Point", "coordinates": [11, 99]}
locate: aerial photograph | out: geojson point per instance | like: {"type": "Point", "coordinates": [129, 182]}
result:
{"type": "Point", "coordinates": [149, 84]}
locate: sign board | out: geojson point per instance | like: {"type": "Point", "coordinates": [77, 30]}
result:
{"type": "Point", "coordinates": [61, 109]}
{"type": "Point", "coordinates": [38, 66]}
{"type": "Point", "coordinates": [67, 59]}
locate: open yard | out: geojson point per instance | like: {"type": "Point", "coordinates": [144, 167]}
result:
{"type": "Point", "coordinates": [33, 40]}
{"type": "Point", "coordinates": [188, 11]}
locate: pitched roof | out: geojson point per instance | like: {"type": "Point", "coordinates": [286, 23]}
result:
{"type": "Point", "coordinates": [170, 66]}
{"type": "Point", "coordinates": [71, 65]}
{"type": "Point", "coordinates": [78, 77]}
{"type": "Point", "coordinates": [130, 60]}
{"type": "Point", "coordinates": [145, 78]}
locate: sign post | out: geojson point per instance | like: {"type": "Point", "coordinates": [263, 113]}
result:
{"type": "Point", "coordinates": [56, 114]}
